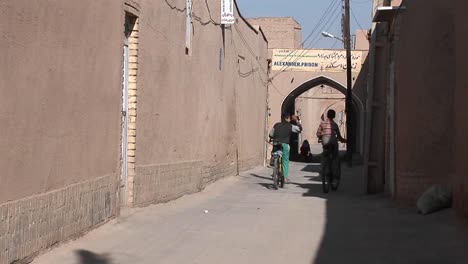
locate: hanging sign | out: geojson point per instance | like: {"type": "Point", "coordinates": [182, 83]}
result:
{"type": "Point", "coordinates": [318, 60]}
{"type": "Point", "coordinates": [227, 12]}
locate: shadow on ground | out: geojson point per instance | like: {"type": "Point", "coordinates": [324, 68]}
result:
{"type": "Point", "coordinates": [268, 185]}
{"type": "Point", "coordinates": [88, 257]}
{"type": "Point", "coordinates": [373, 230]}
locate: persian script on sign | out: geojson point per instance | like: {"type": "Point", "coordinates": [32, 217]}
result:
{"type": "Point", "coordinates": [315, 60]}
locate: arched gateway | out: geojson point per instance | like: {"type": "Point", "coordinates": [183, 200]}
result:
{"type": "Point", "coordinates": [289, 106]}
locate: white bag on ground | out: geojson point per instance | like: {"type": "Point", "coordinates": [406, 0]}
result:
{"type": "Point", "coordinates": [436, 198]}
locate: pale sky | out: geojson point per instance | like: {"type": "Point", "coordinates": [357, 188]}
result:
{"type": "Point", "coordinates": [308, 13]}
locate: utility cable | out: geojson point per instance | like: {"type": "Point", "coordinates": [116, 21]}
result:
{"type": "Point", "coordinates": [327, 23]}
{"type": "Point", "coordinates": [325, 14]}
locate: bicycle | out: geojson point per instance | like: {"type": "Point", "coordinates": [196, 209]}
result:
{"type": "Point", "coordinates": [278, 175]}
{"type": "Point", "coordinates": [330, 174]}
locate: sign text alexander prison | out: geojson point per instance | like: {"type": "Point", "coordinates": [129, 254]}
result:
{"type": "Point", "coordinates": [315, 60]}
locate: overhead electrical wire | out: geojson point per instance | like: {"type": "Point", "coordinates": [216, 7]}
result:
{"type": "Point", "coordinates": [356, 20]}
{"type": "Point", "coordinates": [317, 38]}
{"type": "Point", "coordinates": [314, 30]}
{"type": "Point", "coordinates": [336, 17]}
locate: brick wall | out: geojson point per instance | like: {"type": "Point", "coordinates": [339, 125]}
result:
{"type": "Point", "coordinates": [132, 110]}
{"type": "Point", "coordinates": [250, 163]}
{"type": "Point", "coordinates": [362, 43]}
{"type": "Point", "coordinates": [61, 134]}
{"type": "Point", "coordinates": [165, 182]}
{"type": "Point", "coordinates": [281, 32]}
{"type": "Point", "coordinates": [218, 170]}
{"type": "Point", "coordinates": [198, 113]}
{"type": "Point", "coordinates": [162, 183]}
{"type": "Point", "coordinates": [30, 225]}
{"type": "Point", "coordinates": [62, 154]}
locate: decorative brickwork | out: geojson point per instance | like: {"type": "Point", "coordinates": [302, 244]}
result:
{"type": "Point", "coordinates": [30, 225]}
{"type": "Point", "coordinates": [132, 111]}
{"type": "Point", "coordinates": [162, 183]}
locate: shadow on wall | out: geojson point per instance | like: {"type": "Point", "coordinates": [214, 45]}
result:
{"type": "Point", "coordinates": [358, 111]}
{"type": "Point", "coordinates": [371, 229]}
{"type": "Point", "coordinates": [88, 257]}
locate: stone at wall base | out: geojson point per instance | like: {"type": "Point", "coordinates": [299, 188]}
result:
{"type": "Point", "coordinates": [436, 198]}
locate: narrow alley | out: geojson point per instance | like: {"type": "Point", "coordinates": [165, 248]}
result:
{"type": "Point", "coordinates": [143, 131]}
{"type": "Point", "coordinates": [247, 222]}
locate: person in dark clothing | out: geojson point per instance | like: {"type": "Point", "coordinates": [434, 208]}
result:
{"type": "Point", "coordinates": [294, 154]}
{"type": "Point", "coordinates": [329, 135]}
{"type": "Point", "coordinates": [306, 155]}
{"type": "Point", "coordinates": [281, 134]}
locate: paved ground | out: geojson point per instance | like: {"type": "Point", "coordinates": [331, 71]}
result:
{"type": "Point", "coordinates": [249, 223]}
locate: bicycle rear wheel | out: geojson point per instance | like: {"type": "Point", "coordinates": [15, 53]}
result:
{"type": "Point", "coordinates": [335, 182]}
{"type": "Point", "coordinates": [281, 181]}
{"type": "Point", "coordinates": [281, 173]}
{"type": "Point", "coordinates": [276, 172]}
{"type": "Point", "coordinates": [326, 173]}
{"type": "Point", "coordinates": [326, 183]}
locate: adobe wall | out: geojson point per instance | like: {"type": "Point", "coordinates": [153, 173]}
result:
{"type": "Point", "coordinates": [425, 75]}
{"type": "Point", "coordinates": [460, 182]}
{"type": "Point", "coordinates": [196, 120]}
{"type": "Point", "coordinates": [200, 116]}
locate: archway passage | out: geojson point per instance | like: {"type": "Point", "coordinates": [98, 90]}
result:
{"type": "Point", "coordinates": [289, 106]}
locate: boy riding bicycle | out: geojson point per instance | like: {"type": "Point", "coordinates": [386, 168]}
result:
{"type": "Point", "coordinates": [281, 134]}
{"type": "Point", "coordinates": [329, 134]}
